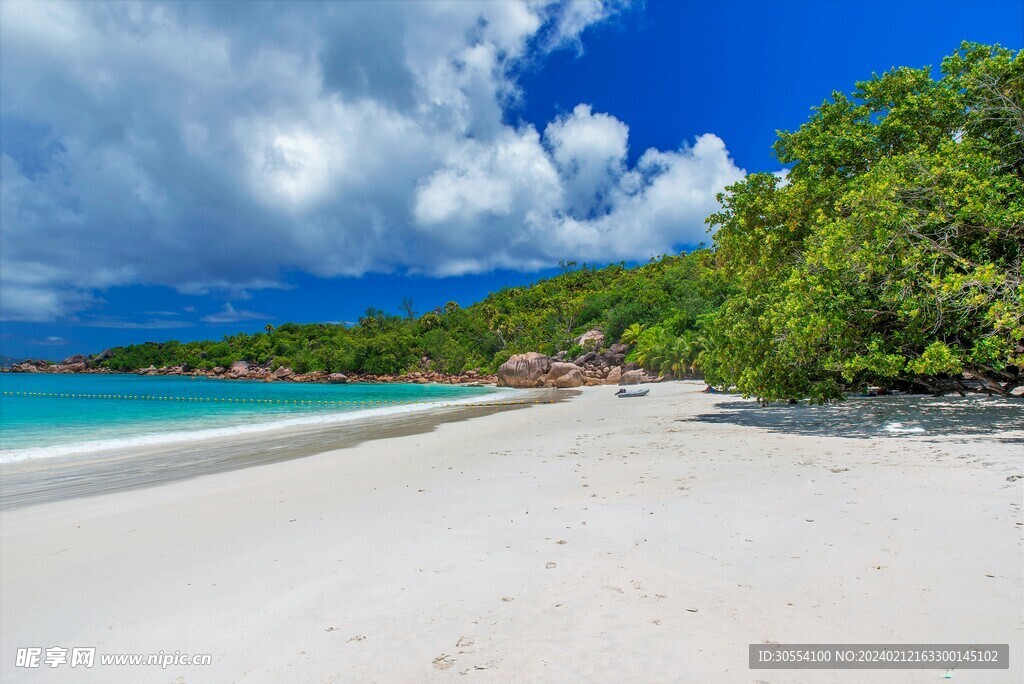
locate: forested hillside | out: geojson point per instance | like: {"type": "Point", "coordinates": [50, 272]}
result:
{"type": "Point", "coordinates": [889, 255]}
{"type": "Point", "coordinates": [547, 316]}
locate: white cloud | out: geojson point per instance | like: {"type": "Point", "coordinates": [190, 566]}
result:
{"type": "Point", "coordinates": [483, 180]}
{"type": "Point", "coordinates": [102, 321]}
{"type": "Point", "coordinates": [231, 315]}
{"type": "Point", "coordinates": [515, 204]}
{"type": "Point", "coordinates": [590, 150]}
{"type": "Point", "coordinates": [196, 147]}
{"type": "Point", "coordinates": [49, 341]}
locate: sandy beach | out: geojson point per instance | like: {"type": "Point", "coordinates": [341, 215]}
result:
{"type": "Point", "coordinates": [592, 540]}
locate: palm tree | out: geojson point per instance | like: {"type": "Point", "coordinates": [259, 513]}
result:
{"type": "Point", "coordinates": [690, 347]}
{"type": "Point", "coordinates": [652, 349]}
{"type": "Point", "coordinates": [631, 334]}
{"type": "Point", "coordinates": [669, 355]}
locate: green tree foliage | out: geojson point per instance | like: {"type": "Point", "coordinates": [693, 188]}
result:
{"type": "Point", "coordinates": [892, 252]}
{"type": "Point", "coordinates": [632, 334]}
{"type": "Point", "coordinates": [666, 352]}
{"type": "Point", "coordinates": [547, 316]}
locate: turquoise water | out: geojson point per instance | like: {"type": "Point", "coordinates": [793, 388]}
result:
{"type": "Point", "coordinates": [107, 411]}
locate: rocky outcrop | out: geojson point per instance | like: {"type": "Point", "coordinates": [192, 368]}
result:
{"type": "Point", "coordinates": [564, 375]}
{"type": "Point", "coordinates": [594, 367]}
{"type": "Point", "coordinates": [615, 354]}
{"type": "Point", "coordinates": [632, 377]}
{"type": "Point", "coordinates": [242, 370]}
{"type": "Point", "coordinates": [524, 370]}
{"type": "Point", "coordinates": [589, 356]}
{"type": "Point", "coordinates": [592, 339]}
{"type": "Point", "coordinates": [72, 364]}
{"type": "Point", "coordinates": [603, 366]}
{"type": "Point", "coordinates": [614, 375]}
{"type": "Point", "coordinates": [573, 378]}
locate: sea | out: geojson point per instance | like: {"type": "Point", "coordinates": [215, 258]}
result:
{"type": "Point", "coordinates": [48, 415]}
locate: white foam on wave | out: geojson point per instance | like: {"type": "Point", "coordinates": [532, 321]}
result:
{"type": "Point", "coordinates": [184, 436]}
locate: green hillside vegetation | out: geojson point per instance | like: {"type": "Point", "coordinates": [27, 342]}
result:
{"type": "Point", "coordinates": [670, 293]}
{"type": "Point", "coordinates": [889, 255]}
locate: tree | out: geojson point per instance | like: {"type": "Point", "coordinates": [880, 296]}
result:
{"type": "Point", "coordinates": [892, 253]}
{"type": "Point", "coordinates": [632, 333]}
{"type": "Point", "coordinates": [408, 308]}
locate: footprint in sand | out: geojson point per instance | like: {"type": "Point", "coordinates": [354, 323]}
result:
{"type": "Point", "coordinates": [443, 662]}
{"type": "Point", "coordinates": [465, 642]}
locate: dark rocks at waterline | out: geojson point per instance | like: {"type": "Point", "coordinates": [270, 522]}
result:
{"type": "Point", "coordinates": [243, 370]}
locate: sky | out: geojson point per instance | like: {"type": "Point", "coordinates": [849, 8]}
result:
{"type": "Point", "coordinates": [189, 170]}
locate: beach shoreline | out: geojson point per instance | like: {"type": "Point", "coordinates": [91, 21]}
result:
{"type": "Point", "coordinates": [55, 416]}
{"type": "Point", "coordinates": [590, 540]}
{"type": "Point", "coordinates": [97, 469]}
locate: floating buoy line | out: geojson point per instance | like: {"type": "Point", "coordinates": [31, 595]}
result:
{"type": "Point", "coordinates": [244, 400]}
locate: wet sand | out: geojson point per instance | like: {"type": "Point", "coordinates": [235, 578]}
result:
{"type": "Point", "coordinates": [597, 539]}
{"type": "Point", "coordinates": [53, 479]}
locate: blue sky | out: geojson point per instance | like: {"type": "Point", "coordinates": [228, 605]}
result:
{"type": "Point", "coordinates": [187, 170]}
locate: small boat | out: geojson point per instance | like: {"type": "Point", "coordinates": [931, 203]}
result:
{"type": "Point", "coordinates": [625, 393]}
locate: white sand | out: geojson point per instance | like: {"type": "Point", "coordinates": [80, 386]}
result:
{"type": "Point", "coordinates": [597, 540]}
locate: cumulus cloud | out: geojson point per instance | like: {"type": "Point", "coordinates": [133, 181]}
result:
{"type": "Point", "coordinates": [590, 150]}
{"type": "Point", "coordinates": [216, 147]}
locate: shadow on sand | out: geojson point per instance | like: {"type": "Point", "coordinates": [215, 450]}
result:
{"type": "Point", "coordinates": [895, 416]}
